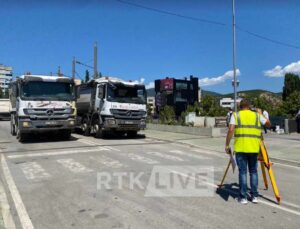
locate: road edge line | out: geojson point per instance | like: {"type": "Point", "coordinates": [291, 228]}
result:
{"type": "Point", "coordinates": [19, 205]}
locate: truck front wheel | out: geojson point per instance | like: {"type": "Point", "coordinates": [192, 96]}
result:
{"type": "Point", "coordinates": [85, 127]}
{"type": "Point", "coordinates": [12, 126]}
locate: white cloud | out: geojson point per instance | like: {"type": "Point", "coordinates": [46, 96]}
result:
{"type": "Point", "coordinates": [140, 81]}
{"type": "Point", "coordinates": [150, 85]}
{"type": "Point", "coordinates": [279, 71]}
{"type": "Point", "coordinates": [217, 80]}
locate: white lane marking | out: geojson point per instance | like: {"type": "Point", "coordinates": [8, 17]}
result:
{"type": "Point", "coordinates": [33, 171]}
{"type": "Point", "coordinates": [136, 157]}
{"type": "Point", "coordinates": [19, 205]}
{"type": "Point", "coordinates": [280, 164]}
{"type": "Point", "coordinates": [188, 154]}
{"type": "Point", "coordinates": [260, 200]}
{"type": "Point", "coordinates": [73, 165]}
{"type": "Point", "coordinates": [64, 152]}
{"type": "Point", "coordinates": [112, 148]}
{"type": "Point", "coordinates": [165, 156]}
{"type": "Point", "coordinates": [209, 152]}
{"type": "Point", "coordinates": [5, 210]}
{"type": "Point", "coordinates": [88, 142]}
{"type": "Point", "coordinates": [107, 161]}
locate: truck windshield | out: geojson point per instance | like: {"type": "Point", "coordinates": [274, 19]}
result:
{"type": "Point", "coordinates": [35, 90]}
{"type": "Point", "coordinates": [4, 93]}
{"type": "Point", "coordinates": [126, 94]}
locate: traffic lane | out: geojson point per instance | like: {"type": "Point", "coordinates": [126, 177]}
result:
{"type": "Point", "coordinates": [185, 216]}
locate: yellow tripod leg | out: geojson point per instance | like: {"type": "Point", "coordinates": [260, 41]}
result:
{"type": "Point", "coordinates": [268, 165]}
{"type": "Point", "coordinates": [220, 185]}
{"type": "Point", "coordinates": [263, 169]}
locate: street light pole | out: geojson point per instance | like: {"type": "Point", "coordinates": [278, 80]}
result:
{"type": "Point", "coordinates": [73, 67]}
{"type": "Point", "coordinates": [95, 60]}
{"type": "Point", "coordinates": [234, 56]}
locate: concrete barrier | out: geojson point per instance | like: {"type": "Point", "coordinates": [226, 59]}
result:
{"type": "Point", "coordinates": [210, 122]}
{"type": "Point", "coordinates": [211, 132]}
{"type": "Point", "coordinates": [199, 121]}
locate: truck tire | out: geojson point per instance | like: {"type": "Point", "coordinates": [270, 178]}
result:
{"type": "Point", "coordinates": [85, 127]}
{"type": "Point", "coordinates": [132, 134]}
{"type": "Point", "coordinates": [99, 133]}
{"type": "Point", "coordinates": [21, 136]}
{"type": "Point", "coordinates": [65, 134]}
{"type": "Point", "coordinates": [12, 126]}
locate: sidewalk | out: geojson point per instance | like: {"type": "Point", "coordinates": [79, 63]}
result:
{"type": "Point", "coordinates": [281, 148]}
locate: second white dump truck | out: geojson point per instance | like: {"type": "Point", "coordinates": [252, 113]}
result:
{"type": "Point", "coordinates": [42, 104]}
{"type": "Point", "coordinates": [110, 105]}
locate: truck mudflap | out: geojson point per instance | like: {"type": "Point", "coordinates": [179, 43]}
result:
{"type": "Point", "coordinates": [124, 124]}
{"type": "Point", "coordinates": [45, 125]}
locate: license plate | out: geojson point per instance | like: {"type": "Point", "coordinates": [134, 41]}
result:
{"type": "Point", "coordinates": [51, 123]}
{"type": "Point", "coordinates": [128, 122]}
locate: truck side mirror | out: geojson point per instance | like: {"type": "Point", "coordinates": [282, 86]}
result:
{"type": "Point", "coordinates": [101, 92]}
{"type": "Point", "coordinates": [77, 92]}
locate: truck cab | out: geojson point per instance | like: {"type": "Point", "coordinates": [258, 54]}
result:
{"type": "Point", "coordinates": [111, 105]}
{"type": "Point", "coordinates": [42, 104]}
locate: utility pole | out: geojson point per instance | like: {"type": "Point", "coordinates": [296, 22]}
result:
{"type": "Point", "coordinates": [234, 56]}
{"type": "Point", "coordinates": [58, 71]}
{"type": "Point", "coordinates": [73, 67]}
{"type": "Point", "coordinates": [95, 60]}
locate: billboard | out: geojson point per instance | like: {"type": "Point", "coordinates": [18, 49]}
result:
{"type": "Point", "coordinates": [167, 85]}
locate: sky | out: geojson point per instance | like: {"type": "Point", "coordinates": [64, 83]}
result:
{"type": "Point", "coordinates": [136, 43]}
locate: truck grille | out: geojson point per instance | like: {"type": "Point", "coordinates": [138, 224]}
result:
{"type": "Point", "coordinates": [128, 114]}
{"type": "Point", "coordinates": [49, 113]}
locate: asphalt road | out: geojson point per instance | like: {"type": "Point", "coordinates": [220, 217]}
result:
{"type": "Point", "coordinates": [47, 183]}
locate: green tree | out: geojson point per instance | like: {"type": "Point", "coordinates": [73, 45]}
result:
{"type": "Point", "coordinates": [291, 84]}
{"type": "Point", "coordinates": [291, 105]}
{"type": "Point", "coordinates": [87, 76]}
{"type": "Point", "coordinates": [167, 115]}
{"type": "Point", "coordinates": [211, 107]}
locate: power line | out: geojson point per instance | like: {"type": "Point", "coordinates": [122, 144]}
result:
{"type": "Point", "coordinates": [266, 38]}
{"type": "Point", "coordinates": [211, 22]}
{"type": "Point", "coordinates": [172, 14]}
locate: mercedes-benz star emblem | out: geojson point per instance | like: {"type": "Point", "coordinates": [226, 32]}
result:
{"type": "Point", "coordinates": [128, 113]}
{"type": "Point", "coordinates": [49, 112]}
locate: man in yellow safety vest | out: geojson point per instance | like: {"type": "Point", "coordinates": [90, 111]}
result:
{"type": "Point", "coordinates": [245, 125]}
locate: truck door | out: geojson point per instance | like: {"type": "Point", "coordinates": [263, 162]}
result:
{"type": "Point", "coordinates": [99, 102]}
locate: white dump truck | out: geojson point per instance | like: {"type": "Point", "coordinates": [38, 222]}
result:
{"type": "Point", "coordinates": [111, 105]}
{"type": "Point", "coordinates": [4, 104]}
{"type": "Point", "coordinates": [42, 104]}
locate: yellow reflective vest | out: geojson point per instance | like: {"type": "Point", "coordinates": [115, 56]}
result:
{"type": "Point", "coordinates": [247, 132]}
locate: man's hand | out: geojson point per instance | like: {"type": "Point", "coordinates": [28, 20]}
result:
{"type": "Point", "coordinates": [227, 149]}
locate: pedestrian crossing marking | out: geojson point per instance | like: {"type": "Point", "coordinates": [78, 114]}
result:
{"type": "Point", "coordinates": [55, 153]}
{"type": "Point", "coordinates": [73, 165]}
{"type": "Point", "coordinates": [165, 156]}
{"type": "Point", "coordinates": [107, 161]}
{"type": "Point", "coordinates": [179, 152]}
{"type": "Point", "coordinates": [34, 171]}
{"type": "Point", "coordinates": [136, 157]}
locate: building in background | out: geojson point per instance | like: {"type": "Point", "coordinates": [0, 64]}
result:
{"type": "Point", "coordinates": [5, 78]}
{"type": "Point", "coordinates": [151, 103]}
{"type": "Point", "coordinates": [228, 102]}
{"type": "Point", "coordinates": [178, 93]}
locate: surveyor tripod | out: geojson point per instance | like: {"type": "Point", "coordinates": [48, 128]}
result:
{"type": "Point", "coordinates": [266, 166]}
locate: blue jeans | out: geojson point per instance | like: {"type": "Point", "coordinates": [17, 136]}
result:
{"type": "Point", "coordinates": [242, 160]}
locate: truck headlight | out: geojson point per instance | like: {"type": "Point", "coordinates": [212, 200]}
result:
{"type": "Point", "coordinates": [26, 124]}
{"type": "Point", "coordinates": [143, 122]}
{"type": "Point", "coordinates": [111, 122]}
{"type": "Point", "coordinates": [72, 123]}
